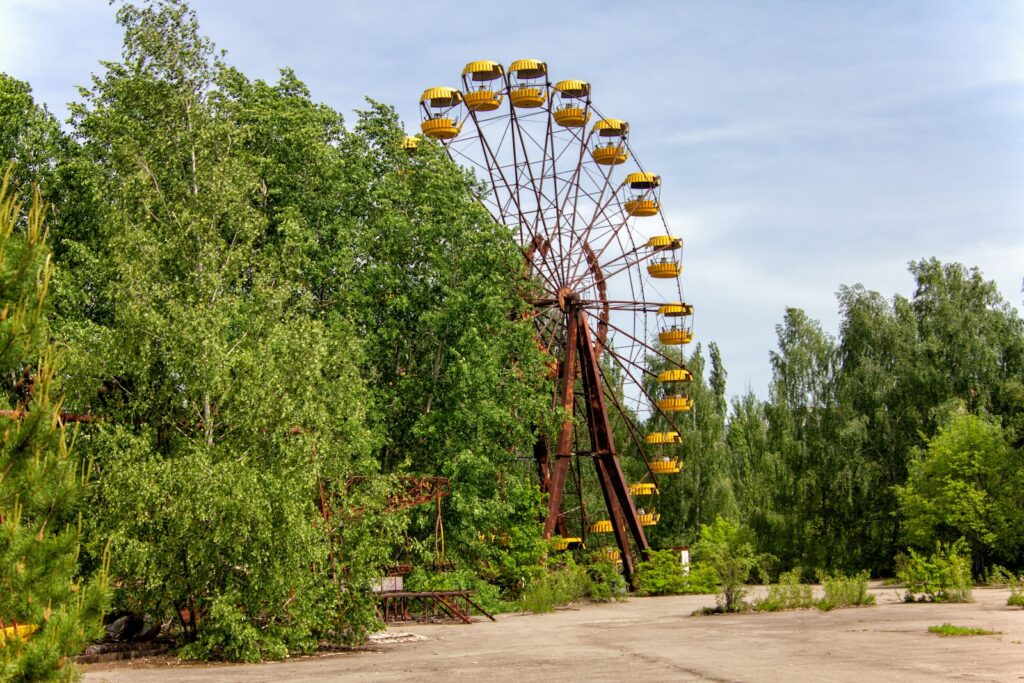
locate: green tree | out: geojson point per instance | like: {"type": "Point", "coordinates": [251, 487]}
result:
{"type": "Point", "coordinates": [967, 484]}
{"type": "Point", "coordinates": [48, 611]}
{"type": "Point", "coordinates": [727, 548]}
{"type": "Point", "coordinates": [231, 411]}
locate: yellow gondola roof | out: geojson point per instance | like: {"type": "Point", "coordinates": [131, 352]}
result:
{"type": "Point", "coordinates": [677, 308]}
{"type": "Point", "coordinates": [663, 437]}
{"type": "Point", "coordinates": [664, 241]}
{"type": "Point", "coordinates": [613, 125]}
{"type": "Point", "coordinates": [641, 177]}
{"type": "Point", "coordinates": [484, 70]}
{"type": "Point", "coordinates": [441, 96]}
{"type": "Point", "coordinates": [680, 375]}
{"type": "Point", "coordinates": [528, 68]}
{"type": "Point", "coordinates": [573, 88]}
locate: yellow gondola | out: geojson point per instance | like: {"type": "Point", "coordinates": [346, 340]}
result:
{"type": "Point", "coordinates": [612, 554]}
{"type": "Point", "coordinates": [644, 202]}
{"type": "Point", "coordinates": [482, 92]}
{"type": "Point", "coordinates": [648, 518]}
{"type": "Point", "coordinates": [527, 83]}
{"type": "Point", "coordinates": [410, 143]}
{"type": "Point", "coordinates": [573, 108]}
{"type": "Point", "coordinates": [603, 526]}
{"type": "Point", "coordinates": [664, 268]}
{"type": "Point", "coordinates": [644, 488]}
{"type": "Point", "coordinates": [610, 148]}
{"type": "Point", "coordinates": [666, 466]}
{"type": "Point", "coordinates": [440, 106]}
{"type": "Point", "coordinates": [20, 632]}
{"type": "Point", "coordinates": [675, 404]}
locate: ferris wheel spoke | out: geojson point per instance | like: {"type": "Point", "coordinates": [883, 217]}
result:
{"type": "Point", "coordinates": [648, 347]}
{"type": "Point", "coordinates": [635, 434]}
{"type": "Point", "coordinates": [585, 236]}
{"type": "Point", "coordinates": [627, 367]}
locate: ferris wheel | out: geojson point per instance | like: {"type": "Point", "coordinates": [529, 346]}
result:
{"type": "Point", "coordinates": [606, 296]}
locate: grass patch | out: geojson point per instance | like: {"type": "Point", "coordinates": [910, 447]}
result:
{"type": "Point", "coordinates": [950, 630]}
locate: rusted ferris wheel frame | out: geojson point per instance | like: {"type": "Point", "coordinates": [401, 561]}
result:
{"type": "Point", "coordinates": [553, 180]}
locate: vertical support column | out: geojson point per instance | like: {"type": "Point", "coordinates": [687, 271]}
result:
{"type": "Point", "coordinates": [563, 452]}
{"type": "Point", "coordinates": [606, 460]}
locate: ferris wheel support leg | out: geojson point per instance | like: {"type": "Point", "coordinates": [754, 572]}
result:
{"type": "Point", "coordinates": [563, 452]}
{"type": "Point", "coordinates": [613, 480]}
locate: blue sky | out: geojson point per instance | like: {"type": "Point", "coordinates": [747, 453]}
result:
{"type": "Point", "coordinates": [802, 145]}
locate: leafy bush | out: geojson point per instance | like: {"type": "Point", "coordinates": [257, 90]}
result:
{"type": "Point", "coordinates": [559, 585]}
{"type": "Point", "coordinates": [663, 574]}
{"type": "Point", "coordinates": [567, 581]}
{"type": "Point", "coordinates": [943, 576]}
{"type": "Point", "coordinates": [845, 591]}
{"type": "Point", "coordinates": [606, 582]}
{"type": "Point", "coordinates": [788, 593]}
{"type": "Point", "coordinates": [487, 595]}
{"type": "Point", "coordinates": [229, 634]}
{"type": "Point", "coordinates": [726, 548]}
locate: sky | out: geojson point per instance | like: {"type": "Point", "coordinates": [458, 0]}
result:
{"type": "Point", "coordinates": [802, 145]}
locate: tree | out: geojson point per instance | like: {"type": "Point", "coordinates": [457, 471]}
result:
{"type": "Point", "coordinates": [48, 610]}
{"type": "Point", "coordinates": [726, 547]}
{"type": "Point", "coordinates": [229, 411]}
{"type": "Point", "coordinates": [967, 484]}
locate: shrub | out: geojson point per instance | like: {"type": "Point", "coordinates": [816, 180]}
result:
{"type": "Point", "coordinates": [559, 585]}
{"type": "Point", "coordinates": [487, 595]}
{"type": "Point", "coordinates": [943, 576]}
{"type": "Point", "coordinates": [663, 574]}
{"type": "Point", "coordinates": [726, 548]}
{"type": "Point", "coordinates": [788, 593]}
{"type": "Point", "coordinates": [606, 582]}
{"type": "Point", "coordinates": [845, 591]}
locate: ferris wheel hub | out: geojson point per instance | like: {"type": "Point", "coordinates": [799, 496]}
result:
{"type": "Point", "coordinates": [566, 298]}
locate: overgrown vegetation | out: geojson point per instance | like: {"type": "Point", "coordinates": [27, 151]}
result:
{"type": "Point", "coordinates": [727, 549]}
{"type": "Point", "coordinates": [270, 315]}
{"type": "Point", "coordinates": [845, 591]}
{"type": "Point", "coordinates": [564, 581]}
{"type": "Point", "coordinates": [788, 593]}
{"type": "Point", "coordinates": [942, 576]}
{"type": "Point", "coordinates": [951, 630]}
{"type": "Point", "coordinates": [664, 574]}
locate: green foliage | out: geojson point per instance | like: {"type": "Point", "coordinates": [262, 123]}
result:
{"type": "Point", "coordinates": [605, 579]}
{"type": "Point", "coordinates": [943, 576]}
{"type": "Point", "coordinates": [845, 591]}
{"type": "Point", "coordinates": [728, 550]}
{"type": "Point", "coordinates": [663, 574]}
{"type": "Point", "coordinates": [788, 593]}
{"type": "Point", "coordinates": [42, 484]}
{"type": "Point", "coordinates": [560, 584]}
{"type": "Point", "coordinates": [968, 484]}
{"type": "Point", "coordinates": [566, 581]}
{"type": "Point", "coordinates": [946, 630]}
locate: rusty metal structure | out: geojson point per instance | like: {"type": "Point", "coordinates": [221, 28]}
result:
{"type": "Point", "coordinates": [603, 271]}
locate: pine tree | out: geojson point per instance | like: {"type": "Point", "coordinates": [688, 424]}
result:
{"type": "Point", "coordinates": [47, 612]}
